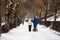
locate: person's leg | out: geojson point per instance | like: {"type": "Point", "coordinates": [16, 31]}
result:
{"type": "Point", "coordinates": [29, 27]}
{"type": "Point", "coordinates": [34, 28]}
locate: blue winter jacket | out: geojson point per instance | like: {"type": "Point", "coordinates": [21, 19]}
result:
{"type": "Point", "coordinates": [35, 21]}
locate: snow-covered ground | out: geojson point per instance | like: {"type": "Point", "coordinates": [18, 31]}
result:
{"type": "Point", "coordinates": [22, 33]}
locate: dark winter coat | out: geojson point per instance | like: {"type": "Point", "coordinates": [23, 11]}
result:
{"type": "Point", "coordinates": [35, 21]}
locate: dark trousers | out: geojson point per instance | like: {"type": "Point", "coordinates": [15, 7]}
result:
{"type": "Point", "coordinates": [30, 27]}
{"type": "Point", "coordinates": [34, 29]}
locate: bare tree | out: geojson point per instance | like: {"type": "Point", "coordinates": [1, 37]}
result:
{"type": "Point", "coordinates": [46, 4]}
{"type": "Point", "coordinates": [7, 15]}
{"type": "Point", "coordinates": [16, 13]}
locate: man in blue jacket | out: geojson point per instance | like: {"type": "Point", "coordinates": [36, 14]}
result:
{"type": "Point", "coordinates": [35, 22]}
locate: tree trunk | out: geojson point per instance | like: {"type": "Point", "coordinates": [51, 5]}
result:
{"type": "Point", "coordinates": [55, 17]}
{"type": "Point", "coordinates": [45, 18]}
{"type": "Point", "coordinates": [0, 17]}
{"type": "Point", "coordinates": [46, 12]}
{"type": "Point", "coordinates": [7, 12]}
{"type": "Point", "coordinates": [0, 22]}
{"type": "Point", "coordinates": [40, 20]}
{"type": "Point", "coordinates": [7, 22]}
{"type": "Point", "coordinates": [16, 14]}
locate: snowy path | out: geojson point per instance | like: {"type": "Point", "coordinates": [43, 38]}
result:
{"type": "Point", "coordinates": [22, 33]}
